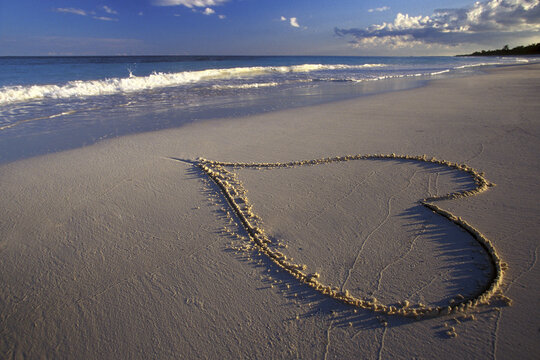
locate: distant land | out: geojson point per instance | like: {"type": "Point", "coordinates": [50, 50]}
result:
{"type": "Point", "coordinates": [533, 49]}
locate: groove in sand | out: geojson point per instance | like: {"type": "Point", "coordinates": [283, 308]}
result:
{"type": "Point", "coordinates": [235, 195]}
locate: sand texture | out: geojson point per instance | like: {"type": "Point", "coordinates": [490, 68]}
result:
{"type": "Point", "coordinates": [139, 247]}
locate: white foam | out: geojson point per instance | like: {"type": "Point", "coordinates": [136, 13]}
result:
{"type": "Point", "coordinates": [246, 86]}
{"type": "Point", "coordinates": [440, 72]}
{"type": "Point", "coordinates": [398, 76]}
{"type": "Point", "coordinates": [509, 61]}
{"type": "Point", "coordinates": [78, 88]}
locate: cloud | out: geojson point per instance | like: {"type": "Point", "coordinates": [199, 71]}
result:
{"type": "Point", "coordinates": [190, 3]}
{"type": "Point", "coordinates": [379, 9]}
{"type": "Point", "coordinates": [72, 11]}
{"type": "Point", "coordinates": [85, 13]}
{"type": "Point", "coordinates": [104, 18]}
{"type": "Point", "coordinates": [108, 10]}
{"type": "Point", "coordinates": [293, 21]}
{"type": "Point", "coordinates": [193, 5]}
{"type": "Point", "coordinates": [480, 23]}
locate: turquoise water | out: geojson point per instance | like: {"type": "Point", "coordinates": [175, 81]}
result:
{"type": "Point", "coordinates": [50, 104]}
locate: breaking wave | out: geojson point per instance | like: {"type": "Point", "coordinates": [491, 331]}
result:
{"type": "Point", "coordinates": [79, 88]}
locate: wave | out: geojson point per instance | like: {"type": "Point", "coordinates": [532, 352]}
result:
{"type": "Point", "coordinates": [246, 86]}
{"type": "Point", "coordinates": [79, 88]}
{"type": "Point", "coordinates": [439, 72]}
{"type": "Point", "coordinates": [60, 114]}
{"type": "Point", "coordinates": [510, 62]}
{"type": "Point", "coordinates": [64, 113]}
{"type": "Point", "coordinates": [383, 77]}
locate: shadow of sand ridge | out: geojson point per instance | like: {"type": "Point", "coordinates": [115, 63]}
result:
{"type": "Point", "coordinates": [223, 175]}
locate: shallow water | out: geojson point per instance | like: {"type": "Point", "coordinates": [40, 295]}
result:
{"type": "Point", "coordinates": [50, 104]}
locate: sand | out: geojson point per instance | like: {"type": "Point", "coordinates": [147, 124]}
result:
{"type": "Point", "coordinates": [119, 250]}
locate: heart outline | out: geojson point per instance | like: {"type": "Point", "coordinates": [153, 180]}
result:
{"type": "Point", "coordinates": [234, 192]}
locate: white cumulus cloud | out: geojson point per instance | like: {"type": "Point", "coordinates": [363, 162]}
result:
{"type": "Point", "coordinates": [208, 11]}
{"type": "Point", "coordinates": [479, 23]}
{"type": "Point", "coordinates": [292, 21]}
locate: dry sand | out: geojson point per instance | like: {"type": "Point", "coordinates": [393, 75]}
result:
{"type": "Point", "coordinates": [117, 250]}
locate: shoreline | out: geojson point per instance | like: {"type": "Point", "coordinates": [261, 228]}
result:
{"type": "Point", "coordinates": [66, 130]}
{"type": "Point", "coordinates": [118, 250]}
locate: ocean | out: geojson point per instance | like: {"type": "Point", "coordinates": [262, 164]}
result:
{"type": "Point", "coordinates": [50, 104]}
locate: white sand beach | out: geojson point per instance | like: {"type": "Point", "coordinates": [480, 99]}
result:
{"type": "Point", "coordinates": [120, 250]}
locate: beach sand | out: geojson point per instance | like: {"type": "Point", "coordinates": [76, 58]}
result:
{"type": "Point", "coordinates": [120, 250]}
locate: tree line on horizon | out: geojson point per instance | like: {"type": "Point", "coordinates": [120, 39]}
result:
{"type": "Point", "coordinates": [533, 49]}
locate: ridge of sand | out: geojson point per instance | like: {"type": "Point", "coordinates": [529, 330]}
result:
{"type": "Point", "coordinates": [235, 193]}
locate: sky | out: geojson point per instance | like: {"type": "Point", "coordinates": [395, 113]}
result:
{"type": "Point", "coordinates": [264, 27]}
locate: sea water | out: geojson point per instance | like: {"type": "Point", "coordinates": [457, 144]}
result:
{"type": "Point", "coordinates": [50, 104]}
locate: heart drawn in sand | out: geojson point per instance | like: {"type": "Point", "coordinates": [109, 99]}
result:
{"type": "Point", "coordinates": [222, 173]}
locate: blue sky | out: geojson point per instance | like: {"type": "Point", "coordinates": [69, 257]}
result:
{"type": "Point", "coordinates": [264, 27]}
